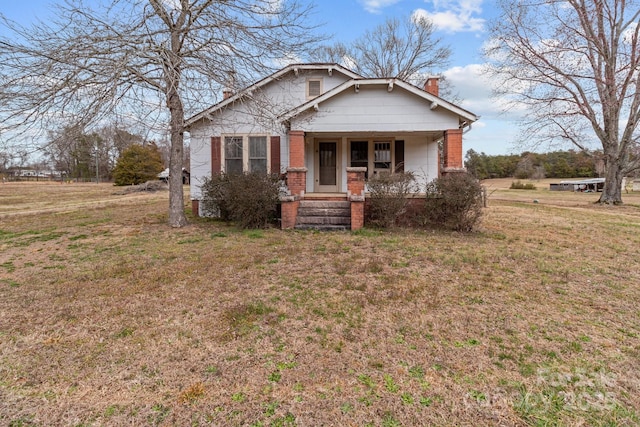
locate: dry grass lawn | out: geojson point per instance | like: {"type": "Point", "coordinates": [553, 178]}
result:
{"type": "Point", "coordinates": [110, 317]}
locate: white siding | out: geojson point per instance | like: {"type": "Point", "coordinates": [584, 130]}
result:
{"type": "Point", "coordinates": [421, 158]}
{"type": "Point", "coordinates": [375, 108]}
{"type": "Point", "coordinates": [254, 117]}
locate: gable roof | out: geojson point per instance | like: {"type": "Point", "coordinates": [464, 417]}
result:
{"type": "Point", "coordinates": [435, 101]}
{"type": "Point", "coordinates": [295, 68]}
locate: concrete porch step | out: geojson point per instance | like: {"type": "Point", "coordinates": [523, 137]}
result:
{"type": "Point", "coordinates": [324, 227]}
{"type": "Point", "coordinates": [324, 215]}
{"type": "Point", "coordinates": [324, 204]}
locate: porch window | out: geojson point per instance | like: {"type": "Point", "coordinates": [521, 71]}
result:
{"type": "Point", "coordinates": [377, 156]}
{"type": "Point", "coordinates": [233, 153]}
{"type": "Point", "coordinates": [382, 156]}
{"type": "Point", "coordinates": [258, 154]}
{"type": "Point", "coordinates": [360, 155]}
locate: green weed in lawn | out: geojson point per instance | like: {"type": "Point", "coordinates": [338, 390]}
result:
{"type": "Point", "coordinates": [407, 398]}
{"type": "Point", "coordinates": [238, 397]}
{"type": "Point", "coordinates": [275, 376]}
{"type": "Point", "coordinates": [9, 266]}
{"type": "Point", "coordinates": [389, 384]}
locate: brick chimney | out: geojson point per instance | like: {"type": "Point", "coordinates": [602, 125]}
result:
{"type": "Point", "coordinates": [431, 85]}
{"type": "Point", "coordinates": [230, 83]}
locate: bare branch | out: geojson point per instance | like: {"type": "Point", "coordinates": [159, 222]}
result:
{"type": "Point", "coordinates": [575, 64]}
{"type": "Point", "coordinates": [93, 60]}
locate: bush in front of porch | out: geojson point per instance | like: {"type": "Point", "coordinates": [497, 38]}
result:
{"type": "Point", "coordinates": [453, 201]}
{"type": "Point", "coordinates": [389, 197]}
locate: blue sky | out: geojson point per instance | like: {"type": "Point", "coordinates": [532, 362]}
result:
{"type": "Point", "coordinates": [462, 24]}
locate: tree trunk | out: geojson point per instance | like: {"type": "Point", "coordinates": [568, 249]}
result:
{"type": "Point", "coordinates": [176, 193]}
{"type": "Point", "coordinates": [612, 191]}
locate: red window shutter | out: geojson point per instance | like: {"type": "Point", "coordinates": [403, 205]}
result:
{"type": "Point", "coordinates": [216, 155]}
{"type": "Point", "coordinates": [275, 154]}
{"type": "Point", "coordinates": [399, 166]}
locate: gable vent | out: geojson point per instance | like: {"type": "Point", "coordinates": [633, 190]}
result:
{"type": "Point", "coordinates": [314, 88]}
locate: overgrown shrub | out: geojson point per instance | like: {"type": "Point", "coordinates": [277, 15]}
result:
{"type": "Point", "coordinates": [519, 185]}
{"type": "Point", "coordinates": [388, 197]}
{"type": "Point", "coordinates": [454, 201]}
{"type": "Point", "coordinates": [215, 196]}
{"type": "Point", "coordinates": [249, 199]}
{"type": "Point", "coordinates": [138, 164]}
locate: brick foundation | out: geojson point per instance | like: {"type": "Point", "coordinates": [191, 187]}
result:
{"type": "Point", "coordinates": [195, 207]}
{"type": "Point", "coordinates": [357, 214]}
{"type": "Point", "coordinates": [355, 188]}
{"type": "Point", "coordinates": [289, 212]}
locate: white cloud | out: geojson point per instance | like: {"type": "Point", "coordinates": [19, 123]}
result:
{"type": "Point", "coordinates": [454, 15]}
{"type": "Point", "coordinates": [496, 132]}
{"type": "Point", "coordinates": [476, 90]}
{"type": "Point", "coordinates": [376, 6]}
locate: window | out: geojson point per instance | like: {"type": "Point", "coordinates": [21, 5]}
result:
{"type": "Point", "coordinates": [233, 154]}
{"type": "Point", "coordinates": [382, 155]}
{"type": "Point", "coordinates": [258, 154]}
{"type": "Point", "coordinates": [377, 156]}
{"type": "Point", "coordinates": [246, 154]}
{"type": "Point", "coordinates": [360, 155]}
{"type": "Point", "coordinates": [314, 88]}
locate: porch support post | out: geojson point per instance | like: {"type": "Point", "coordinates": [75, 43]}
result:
{"type": "Point", "coordinates": [452, 151]}
{"type": "Point", "coordinates": [297, 172]}
{"type": "Point", "coordinates": [296, 180]}
{"type": "Point", "coordinates": [355, 191]}
{"type": "Point", "coordinates": [296, 149]}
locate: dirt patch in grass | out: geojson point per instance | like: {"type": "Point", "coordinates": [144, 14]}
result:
{"type": "Point", "coordinates": [109, 317]}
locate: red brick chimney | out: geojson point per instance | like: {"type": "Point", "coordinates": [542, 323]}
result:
{"type": "Point", "coordinates": [431, 85]}
{"type": "Point", "coordinates": [230, 84]}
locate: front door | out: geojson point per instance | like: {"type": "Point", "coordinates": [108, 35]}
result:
{"type": "Point", "coordinates": [326, 175]}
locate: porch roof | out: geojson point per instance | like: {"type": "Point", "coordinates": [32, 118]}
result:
{"type": "Point", "coordinates": [434, 102]}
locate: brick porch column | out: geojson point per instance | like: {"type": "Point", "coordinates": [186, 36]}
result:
{"type": "Point", "coordinates": [297, 181]}
{"type": "Point", "coordinates": [297, 172]}
{"type": "Point", "coordinates": [296, 149]}
{"type": "Point", "coordinates": [452, 151]}
{"type": "Point", "coordinates": [289, 211]}
{"type": "Point", "coordinates": [355, 190]}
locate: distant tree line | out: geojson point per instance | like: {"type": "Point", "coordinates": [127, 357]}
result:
{"type": "Point", "coordinates": [80, 155]}
{"type": "Point", "coordinates": [556, 164]}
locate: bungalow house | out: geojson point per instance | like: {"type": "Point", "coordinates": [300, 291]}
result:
{"type": "Point", "coordinates": [327, 129]}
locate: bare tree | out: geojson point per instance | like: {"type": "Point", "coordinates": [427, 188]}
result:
{"type": "Point", "coordinates": [166, 56]}
{"type": "Point", "coordinates": [575, 65]}
{"type": "Point", "coordinates": [401, 49]}
{"type": "Point", "coordinates": [404, 49]}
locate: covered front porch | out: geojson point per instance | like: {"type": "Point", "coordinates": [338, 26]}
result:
{"type": "Point", "coordinates": [332, 167]}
